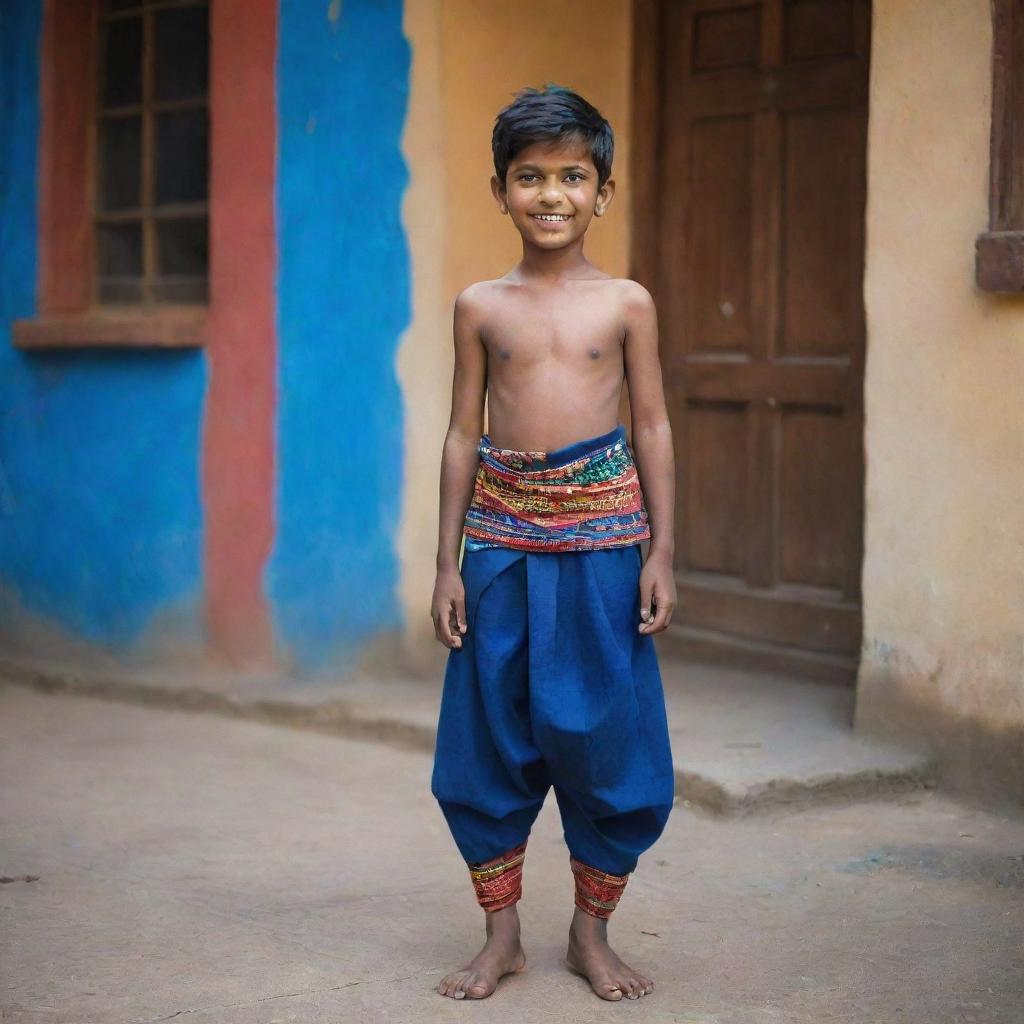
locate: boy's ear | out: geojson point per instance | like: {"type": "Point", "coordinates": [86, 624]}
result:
{"type": "Point", "coordinates": [498, 191]}
{"type": "Point", "coordinates": [604, 197]}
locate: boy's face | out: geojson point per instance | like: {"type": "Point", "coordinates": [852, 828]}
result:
{"type": "Point", "coordinates": [550, 192]}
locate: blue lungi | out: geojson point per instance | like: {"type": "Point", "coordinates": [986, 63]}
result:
{"type": "Point", "coordinates": [554, 686]}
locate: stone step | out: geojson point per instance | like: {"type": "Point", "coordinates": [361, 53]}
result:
{"type": "Point", "coordinates": [743, 742]}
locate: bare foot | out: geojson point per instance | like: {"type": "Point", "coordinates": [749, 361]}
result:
{"type": "Point", "coordinates": [590, 956]}
{"type": "Point", "coordinates": [502, 954]}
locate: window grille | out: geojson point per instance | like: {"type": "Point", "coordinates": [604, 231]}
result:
{"type": "Point", "coordinates": [152, 152]}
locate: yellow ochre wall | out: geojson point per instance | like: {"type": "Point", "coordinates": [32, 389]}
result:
{"type": "Point", "coordinates": [468, 59]}
{"type": "Point", "coordinates": [943, 651]}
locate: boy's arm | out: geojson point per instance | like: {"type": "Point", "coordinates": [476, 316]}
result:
{"type": "Point", "coordinates": [655, 461]}
{"type": "Point", "coordinates": [459, 462]}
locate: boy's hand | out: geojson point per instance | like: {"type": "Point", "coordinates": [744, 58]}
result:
{"type": "Point", "coordinates": [657, 588]}
{"type": "Point", "coordinates": [448, 608]}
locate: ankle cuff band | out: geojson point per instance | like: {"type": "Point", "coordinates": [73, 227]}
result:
{"type": "Point", "coordinates": [499, 882]}
{"type": "Point", "coordinates": [597, 893]}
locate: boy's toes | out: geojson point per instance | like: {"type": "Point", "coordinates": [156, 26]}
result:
{"type": "Point", "coordinates": [477, 986]}
{"type": "Point", "coordinates": [450, 986]}
{"type": "Point", "coordinates": [610, 991]}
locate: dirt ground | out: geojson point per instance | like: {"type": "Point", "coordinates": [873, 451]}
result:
{"type": "Point", "coordinates": [197, 868]}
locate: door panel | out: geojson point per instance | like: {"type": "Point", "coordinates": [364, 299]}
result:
{"type": "Point", "coordinates": [812, 505]}
{"type": "Point", "coordinates": [728, 38]}
{"type": "Point", "coordinates": [822, 222]}
{"type": "Point", "coordinates": [820, 28]}
{"type": "Point", "coordinates": [719, 170]}
{"type": "Point", "coordinates": [758, 174]}
{"type": "Point", "coordinates": [716, 458]}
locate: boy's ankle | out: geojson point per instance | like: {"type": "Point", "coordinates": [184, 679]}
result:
{"type": "Point", "coordinates": [586, 926]}
{"type": "Point", "coordinates": [503, 922]}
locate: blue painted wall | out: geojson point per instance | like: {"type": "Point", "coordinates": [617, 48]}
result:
{"type": "Point", "coordinates": [100, 511]}
{"type": "Point", "coordinates": [99, 451]}
{"type": "Point", "coordinates": [343, 301]}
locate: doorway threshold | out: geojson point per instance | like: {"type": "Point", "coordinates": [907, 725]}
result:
{"type": "Point", "coordinates": [746, 742]}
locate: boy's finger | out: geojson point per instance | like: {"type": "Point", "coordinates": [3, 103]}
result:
{"type": "Point", "coordinates": [646, 596]}
{"type": "Point", "coordinates": [447, 637]}
{"type": "Point", "coordinates": [460, 613]}
{"type": "Point", "coordinates": [648, 625]}
{"type": "Point", "coordinates": [661, 619]}
{"type": "Point", "coordinates": [452, 622]}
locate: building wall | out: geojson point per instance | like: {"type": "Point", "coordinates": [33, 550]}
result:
{"type": "Point", "coordinates": [100, 517]}
{"type": "Point", "coordinates": [193, 503]}
{"type": "Point", "coordinates": [343, 303]}
{"type": "Point", "coordinates": [383, 213]}
{"type": "Point", "coordinates": [469, 58]}
{"type": "Point", "coordinates": [152, 529]}
{"type": "Point", "coordinates": [943, 653]}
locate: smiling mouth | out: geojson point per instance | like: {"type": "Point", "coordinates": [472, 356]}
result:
{"type": "Point", "coordinates": [551, 218]}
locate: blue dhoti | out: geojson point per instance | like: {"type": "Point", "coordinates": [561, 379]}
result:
{"type": "Point", "coordinates": [554, 686]}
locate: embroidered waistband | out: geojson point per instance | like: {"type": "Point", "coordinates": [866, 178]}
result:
{"type": "Point", "coordinates": [581, 497]}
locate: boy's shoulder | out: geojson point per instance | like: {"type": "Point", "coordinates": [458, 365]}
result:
{"type": "Point", "coordinates": [482, 295]}
{"type": "Point", "coordinates": [479, 293]}
{"type": "Point", "coordinates": [634, 295]}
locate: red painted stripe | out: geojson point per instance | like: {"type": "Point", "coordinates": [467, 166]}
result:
{"type": "Point", "coordinates": [239, 427]}
{"type": "Point", "coordinates": [65, 150]}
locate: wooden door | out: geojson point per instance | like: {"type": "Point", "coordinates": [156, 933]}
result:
{"type": "Point", "coordinates": [757, 182]}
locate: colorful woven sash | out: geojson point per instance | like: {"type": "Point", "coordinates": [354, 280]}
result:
{"type": "Point", "coordinates": [577, 498]}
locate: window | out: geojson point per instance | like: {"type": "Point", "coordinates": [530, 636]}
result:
{"type": "Point", "coordinates": [152, 152]}
{"type": "Point", "coordinates": [124, 155]}
{"type": "Point", "coordinates": [999, 265]}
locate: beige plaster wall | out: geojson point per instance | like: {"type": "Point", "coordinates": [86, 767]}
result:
{"type": "Point", "coordinates": [424, 360]}
{"type": "Point", "coordinates": [943, 655]}
{"type": "Point", "coordinates": [468, 58]}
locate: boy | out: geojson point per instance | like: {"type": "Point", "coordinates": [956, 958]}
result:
{"type": "Point", "coordinates": [552, 677]}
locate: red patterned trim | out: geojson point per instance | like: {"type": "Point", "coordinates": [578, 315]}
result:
{"type": "Point", "coordinates": [499, 882]}
{"type": "Point", "coordinates": [597, 893]}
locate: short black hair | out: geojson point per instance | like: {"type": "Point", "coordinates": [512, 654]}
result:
{"type": "Point", "coordinates": [546, 115]}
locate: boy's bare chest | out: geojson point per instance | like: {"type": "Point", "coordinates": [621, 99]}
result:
{"type": "Point", "coordinates": [569, 332]}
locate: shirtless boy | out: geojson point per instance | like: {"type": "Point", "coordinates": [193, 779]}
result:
{"type": "Point", "coordinates": [552, 677]}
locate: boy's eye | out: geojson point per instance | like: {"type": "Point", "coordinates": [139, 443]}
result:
{"type": "Point", "coordinates": [571, 174]}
